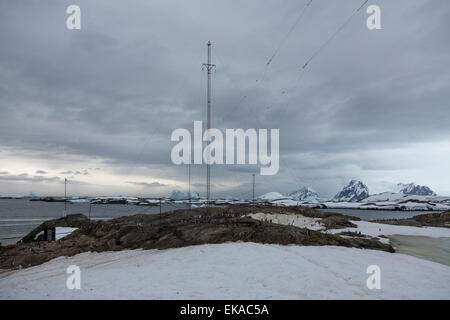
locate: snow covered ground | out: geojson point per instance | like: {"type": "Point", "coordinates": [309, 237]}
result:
{"type": "Point", "coordinates": [232, 271]}
{"type": "Point", "coordinates": [290, 219]}
{"type": "Point", "coordinates": [272, 196]}
{"type": "Point", "coordinates": [375, 229]}
{"type": "Point", "coordinates": [60, 232]}
{"type": "Point", "coordinates": [368, 228]}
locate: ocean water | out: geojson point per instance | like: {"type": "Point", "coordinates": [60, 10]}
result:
{"type": "Point", "coordinates": [366, 215]}
{"type": "Point", "coordinates": [433, 249]}
{"type": "Point", "coordinates": [20, 216]}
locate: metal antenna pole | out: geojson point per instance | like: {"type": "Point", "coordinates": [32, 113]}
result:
{"type": "Point", "coordinates": [190, 203]}
{"type": "Point", "coordinates": [253, 187]}
{"type": "Point", "coordinates": [208, 126]}
{"type": "Point", "coordinates": [209, 67]}
{"type": "Point", "coordinates": [65, 196]}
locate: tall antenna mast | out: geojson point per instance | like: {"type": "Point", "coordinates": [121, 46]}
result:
{"type": "Point", "coordinates": [209, 67]}
{"type": "Point", "coordinates": [253, 187]}
{"type": "Point", "coordinates": [190, 202]}
{"type": "Point", "coordinates": [65, 196]}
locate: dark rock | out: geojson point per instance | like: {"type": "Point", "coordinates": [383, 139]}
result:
{"type": "Point", "coordinates": [354, 191]}
{"type": "Point", "coordinates": [178, 229]}
{"type": "Point", "coordinates": [72, 220]}
{"type": "Point", "coordinates": [438, 219]}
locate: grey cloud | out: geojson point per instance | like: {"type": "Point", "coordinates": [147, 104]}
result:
{"type": "Point", "coordinates": [148, 184]}
{"type": "Point", "coordinates": [24, 177]}
{"type": "Point", "coordinates": [116, 89]}
{"type": "Point", "coordinates": [75, 172]}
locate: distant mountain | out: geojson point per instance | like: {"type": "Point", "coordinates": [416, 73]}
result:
{"type": "Point", "coordinates": [354, 191]}
{"type": "Point", "coordinates": [271, 196]}
{"type": "Point", "coordinates": [304, 194]}
{"type": "Point", "coordinates": [415, 189]}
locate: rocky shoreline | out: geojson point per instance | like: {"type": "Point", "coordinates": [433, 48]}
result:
{"type": "Point", "coordinates": [439, 219]}
{"type": "Point", "coordinates": [179, 228]}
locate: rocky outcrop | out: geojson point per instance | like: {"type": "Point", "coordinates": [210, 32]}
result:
{"type": "Point", "coordinates": [337, 222]}
{"type": "Point", "coordinates": [178, 229]}
{"type": "Point", "coordinates": [439, 219]}
{"type": "Point", "coordinates": [72, 220]}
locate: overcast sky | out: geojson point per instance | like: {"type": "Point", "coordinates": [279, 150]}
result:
{"type": "Point", "coordinates": [98, 105]}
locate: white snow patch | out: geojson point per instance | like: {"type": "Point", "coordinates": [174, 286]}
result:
{"type": "Point", "coordinates": [62, 232]}
{"type": "Point", "coordinates": [297, 220]}
{"type": "Point", "coordinates": [272, 196]}
{"type": "Point", "coordinates": [232, 271]}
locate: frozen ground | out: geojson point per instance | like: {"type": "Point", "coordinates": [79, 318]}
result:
{"type": "Point", "coordinates": [232, 271]}
{"type": "Point", "coordinates": [375, 229]}
{"type": "Point", "coordinates": [290, 219]}
{"type": "Point", "coordinates": [60, 232]}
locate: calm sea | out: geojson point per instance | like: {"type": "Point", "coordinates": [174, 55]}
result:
{"type": "Point", "coordinates": [20, 216]}
{"type": "Point", "coordinates": [378, 214]}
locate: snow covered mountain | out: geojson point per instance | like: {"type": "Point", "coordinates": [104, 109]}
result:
{"type": "Point", "coordinates": [414, 189]}
{"type": "Point", "coordinates": [271, 196]}
{"type": "Point", "coordinates": [354, 191]}
{"type": "Point", "coordinates": [304, 194]}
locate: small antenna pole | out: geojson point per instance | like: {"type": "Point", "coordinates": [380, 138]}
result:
{"type": "Point", "coordinates": [209, 67]}
{"type": "Point", "coordinates": [253, 187]}
{"type": "Point", "coordinates": [65, 196]}
{"type": "Point", "coordinates": [160, 211]}
{"type": "Point", "coordinates": [190, 202]}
